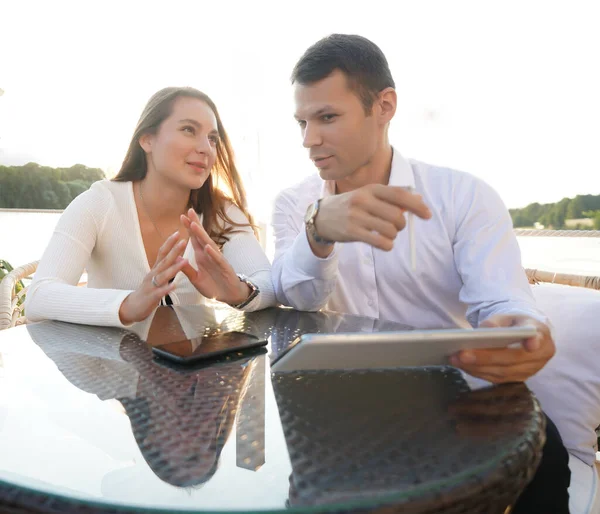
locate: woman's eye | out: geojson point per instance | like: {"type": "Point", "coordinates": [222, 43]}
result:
{"type": "Point", "coordinates": [189, 129]}
{"type": "Point", "coordinates": [213, 139]}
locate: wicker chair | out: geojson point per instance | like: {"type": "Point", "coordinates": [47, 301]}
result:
{"type": "Point", "coordinates": [536, 276]}
{"type": "Point", "coordinates": [11, 313]}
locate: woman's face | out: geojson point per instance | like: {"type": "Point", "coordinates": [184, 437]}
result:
{"type": "Point", "coordinates": [185, 147]}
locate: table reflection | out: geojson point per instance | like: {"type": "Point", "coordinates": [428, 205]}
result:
{"type": "Point", "coordinates": [350, 436]}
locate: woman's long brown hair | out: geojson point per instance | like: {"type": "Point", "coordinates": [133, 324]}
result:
{"type": "Point", "coordinates": [210, 200]}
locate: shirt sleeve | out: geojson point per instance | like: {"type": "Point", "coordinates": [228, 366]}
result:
{"type": "Point", "coordinates": [246, 256]}
{"type": "Point", "coordinates": [53, 293]}
{"type": "Point", "coordinates": [300, 278]}
{"type": "Point", "coordinates": [487, 256]}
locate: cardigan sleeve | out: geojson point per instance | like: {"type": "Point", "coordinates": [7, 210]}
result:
{"type": "Point", "coordinates": [53, 293]}
{"type": "Point", "coordinates": [246, 256]}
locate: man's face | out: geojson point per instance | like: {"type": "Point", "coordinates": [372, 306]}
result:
{"type": "Point", "coordinates": [340, 137]}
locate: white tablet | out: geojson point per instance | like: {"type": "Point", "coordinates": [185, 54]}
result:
{"type": "Point", "coordinates": [391, 349]}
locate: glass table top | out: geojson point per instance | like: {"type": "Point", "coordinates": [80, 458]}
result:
{"type": "Point", "coordinates": [88, 413]}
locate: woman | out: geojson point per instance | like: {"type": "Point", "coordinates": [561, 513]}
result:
{"type": "Point", "coordinates": [164, 213]}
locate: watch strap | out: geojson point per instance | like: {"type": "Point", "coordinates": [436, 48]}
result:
{"type": "Point", "coordinates": [254, 290]}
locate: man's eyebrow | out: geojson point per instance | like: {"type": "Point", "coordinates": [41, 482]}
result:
{"type": "Point", "coordinates": [319, 112]}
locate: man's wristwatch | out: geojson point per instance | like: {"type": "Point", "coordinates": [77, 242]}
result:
{"type": "Point", "coordinates": [253, 291]}
{"type": "Point", "coordinates": [309, 221]}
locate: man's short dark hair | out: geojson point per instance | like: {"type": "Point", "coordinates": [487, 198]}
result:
{"type": "Point", "coordinates": [361, 60]}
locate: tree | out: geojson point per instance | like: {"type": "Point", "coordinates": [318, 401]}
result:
{"type": "Point", "coordinates": [595, 215]}
{"type": "Point", "coordinates": [76, 187]}
{"type": "Point", "coordinates": [575, 208]}
{"type": "Point", "coordinates": [554, 214]}
{"type": "Point", "coordinates": [40, 187]}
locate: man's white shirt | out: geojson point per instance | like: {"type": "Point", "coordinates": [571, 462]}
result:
{"type": "Point", "coordinates": [468, 258]}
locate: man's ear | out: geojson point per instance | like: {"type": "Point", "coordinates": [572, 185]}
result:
{"type": "Point", "coordinates": [145, 142]}
{"type": "Point", "coordinates": [387, 101]}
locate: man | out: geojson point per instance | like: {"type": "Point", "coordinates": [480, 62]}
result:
{"type": "Point", "coordinates": [468, 268]}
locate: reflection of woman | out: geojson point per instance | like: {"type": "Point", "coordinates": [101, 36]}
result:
{"type": "Point", "coordinates": [131, 233]}
{"type": "Point", "coordinates": [180, 418]}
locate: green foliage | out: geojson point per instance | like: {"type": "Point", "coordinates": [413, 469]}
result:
{"type": "Point", "coordinates": [553, 215]}
{"type": "Point", "coordinates": [595, 215]}
{"type": "Point", "coordinates": [5, 269]}
{"type": "Point", "coordinates": [40, 187]}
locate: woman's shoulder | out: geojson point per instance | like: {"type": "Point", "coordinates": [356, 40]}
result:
{"type": "Point", "coordinates": [103, 190]}
{"type": "Point", "coordinates": [104, 194]}
{"type": "Point", "coordinates": [98, 201]}
{"type": "Point", "coordinates": [234, 213]}
{"type": "Point", "coordinates": [111, 187]}
{"type": "Point", "coordinates": [232, 219]}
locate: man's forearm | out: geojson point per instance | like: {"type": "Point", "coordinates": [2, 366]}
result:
{"type": "Point", "coordinates": [302, 279]}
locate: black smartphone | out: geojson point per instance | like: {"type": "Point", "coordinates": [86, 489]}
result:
{"type": "Point", "coordinates": [207, 347]}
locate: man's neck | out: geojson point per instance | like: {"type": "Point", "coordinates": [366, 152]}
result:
{"type": "Point", "coordinates": [376, 171]}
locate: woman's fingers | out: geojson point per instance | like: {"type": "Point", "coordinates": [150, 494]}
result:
{"type": "Point", "coordinates": [198, 230]}
{"type": "Point", "coordinates": [194, 227]}
{"type": "Point", "coordinates": [167, 274]}
{"type": "Point", "coordinates": [185, 221]}
{"type": "Point", "coordinates": [160, 292]}
{"type": "Point", "coordinates": [176, 251]}
{"type": "Point", "coordinates": [190, 272]}
{"type": "Point", "coordinates": [195, 233]}
{"type": "Point", "coordinates": [193, 216]}
{"type": "Point", "coordinates": [167, 246]}
{"type": "Point", "coordinates": [219, 261]}
{"type": "Point", "coordinates": [198, 247]}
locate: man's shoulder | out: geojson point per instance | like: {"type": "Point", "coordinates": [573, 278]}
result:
{"type": "Point", "coordinates": [436, 172]}
{"type": "Point", "coordinates": [445, 178]}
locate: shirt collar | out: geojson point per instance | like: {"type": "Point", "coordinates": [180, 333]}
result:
{"type": "Point", "coordinates": [401, 175]}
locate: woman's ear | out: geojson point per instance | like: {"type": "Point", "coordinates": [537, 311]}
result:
{"type": "Point", "coordinates": [145, 142]}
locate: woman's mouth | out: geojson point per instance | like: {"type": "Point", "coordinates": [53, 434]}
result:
{"type": "Point", "coordinates": [199, 167]}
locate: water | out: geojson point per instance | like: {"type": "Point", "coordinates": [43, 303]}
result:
{"type": "Point", "coordinates": [24, 236]}
{"type": "Point", "coordinates": [577, 255]}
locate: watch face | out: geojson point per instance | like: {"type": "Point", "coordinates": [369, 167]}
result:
{"type": "Point", "coordinates": [310, 212]}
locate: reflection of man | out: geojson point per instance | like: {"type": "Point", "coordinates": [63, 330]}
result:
{"type": "Point", "coordinates": [180, 418]}
{"type": "Point", "coordinates": [291, 323]}
{"type": "Point", "coordinates": [355, 436]}
{"type": "Point", "coordinates": [468, 269]}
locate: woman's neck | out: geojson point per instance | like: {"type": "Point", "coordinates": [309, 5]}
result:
{"type": "Point", "coordinates": [163, 200]}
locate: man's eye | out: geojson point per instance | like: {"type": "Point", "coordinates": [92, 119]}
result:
{"type": "Point", "coordinates": [328, 117]}
{"type": "Point", "coordinates": [301, 123]}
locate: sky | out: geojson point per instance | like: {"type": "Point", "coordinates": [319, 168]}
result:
{"type": "Point", "coordinates": [507, 91]}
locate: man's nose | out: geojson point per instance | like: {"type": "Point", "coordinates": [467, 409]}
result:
{"type": "Point", "coordinates": [311, 136]}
